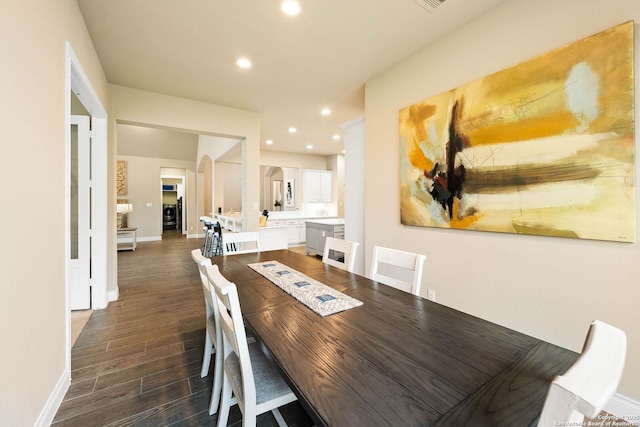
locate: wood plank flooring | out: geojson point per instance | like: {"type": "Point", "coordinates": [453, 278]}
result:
{"type": "Point", "coordinates": [137, 363]}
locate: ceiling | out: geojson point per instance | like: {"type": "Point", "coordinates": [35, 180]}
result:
{"type": "Point", "coordinates": [318, 59]}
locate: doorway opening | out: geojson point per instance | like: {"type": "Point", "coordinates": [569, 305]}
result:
{"type": "Point", "coordinates": [174, 202]}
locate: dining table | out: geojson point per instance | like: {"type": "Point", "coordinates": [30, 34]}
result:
{"type": "Point", "coordinates": [395, 360]}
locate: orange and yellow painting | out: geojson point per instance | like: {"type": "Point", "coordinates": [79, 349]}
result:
{"type": "Point", "coordinates": [545, 147]}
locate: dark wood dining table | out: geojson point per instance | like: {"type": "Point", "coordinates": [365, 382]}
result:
{"type": "Point", "coordinates": [396, 360]}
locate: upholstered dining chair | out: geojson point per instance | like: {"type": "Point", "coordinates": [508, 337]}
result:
{"type": "Point", "coordinates": [248, 374]}
{"type": "Point", "coordinates": [213, 336]}
{"type": "Point", "coordinates": [240, 243]}
{"type": "Point", "coordinates": [588, 385]}
{"type": "Point", "coordinates": [399, 269]}
{"type": "Point", "coordinates": [340, 245]}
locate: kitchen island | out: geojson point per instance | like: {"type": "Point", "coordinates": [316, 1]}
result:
{"type": "Point", "coordinates": [295, 223]}
{"type": "Point", "coordinates": [319, 229]}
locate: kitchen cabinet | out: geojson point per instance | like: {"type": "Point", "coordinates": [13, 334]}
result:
{"type": "Point", "coordinates": [317, 186]}
{"type": "Point", "coordinates": [273, 238]}
{"type": "Point", "coordinates": [295, 229]}
{"type": "Point", "coordinates": [303, 232]}
{"type": "Point", "coordinates": [318, 230]}
{"type": "Point", "coordinates": [275, 223]}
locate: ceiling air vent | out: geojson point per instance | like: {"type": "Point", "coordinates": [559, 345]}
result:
{"type": "Point", "coordinates": [430, 5]}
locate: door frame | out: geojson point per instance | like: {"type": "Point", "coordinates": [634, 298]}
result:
{"type": "Point", "coordinates": [76, 80]}
{"type": "Point", "coordinates": [183, 179]}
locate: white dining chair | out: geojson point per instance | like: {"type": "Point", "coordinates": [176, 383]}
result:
{"type": "Point", "coordinates": [588, 385]}
{"type": "Point", "coordinates": [248, 373]}
{"type": "Point", "coordinates": [240, 243]}
{"type": "Point", "coordinates": [213, 335]}
{"type": "Point", "coordinates": [345, 247]}
{"type": "Point", "coordinates": [399, 269]}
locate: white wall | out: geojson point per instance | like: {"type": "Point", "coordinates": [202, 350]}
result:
{"type": "Point", "coordinates": [547, 287]}
{"type": "Point", "coordinates": [293, 160]}
{"type": "Point", "coordinates": [153, 142]}
{"type": "Point", "coordinates": [354, 186]}
{"type": "Point", "coordinates": [232, 186]}
{"type": "Point", "coordinates": [145, 187]}
{"type": "Point", "coordinates": [214, 147]}
{"type": "Point", "coordinates": [294, 164]}
{"type": "Point", "coordinates": [137, 107]}
{"type": "Point", "coordinates": [336, 165]}
{"type": "Point", "coordinates": [32, 268]}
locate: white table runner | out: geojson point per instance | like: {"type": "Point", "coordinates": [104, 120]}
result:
{"type": "Point", "coordinates": [322, 299]}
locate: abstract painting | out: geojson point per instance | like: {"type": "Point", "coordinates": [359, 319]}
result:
{"type": "Point", "coordinates": [545, 147]}
{"type": "Point", "coordinates": [121, 177]}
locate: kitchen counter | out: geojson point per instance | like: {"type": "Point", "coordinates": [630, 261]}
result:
{"type": "Point", "coordinates": [229, 215]}
{"type": "Point", "coordinates": [230, 221]}
{"type": "Point", "coordinates": [328, 221]}
{"type": "Point", "coordinates": [295, 223]}
{"type": "Point", "coordinates": [296, 215]}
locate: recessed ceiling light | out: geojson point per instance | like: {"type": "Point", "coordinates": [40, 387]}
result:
{"type": "Point", "coordinates": [243, 63]}
{"type": "Point", "coordinates": [325, 111]}
{"type": "Point", "coordinates": [293, 130]}
{"type": "Point", "coordinates": [290, 7]}
{"type": "Point", "coordinates": [336, 136]}
{"type": "Point", "coordinates": [268, 142]}
{"type": "Point", "coordinates": [344, 151]}
{"type": "Point", "coordinates": [309, 147]}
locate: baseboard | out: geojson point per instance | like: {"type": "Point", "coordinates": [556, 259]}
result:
{"type": "Point", "coordinates": [194, 236]}
{"type": "Point", "coordinates": [140, 239]}
{"type": "Point", "coordinates": [113, 295]}
{"type": "Point", "coordinates": [624, 408]}
{"type": "Point", "coordinates": [55, 399]}
{"type": "Point", "coordinates": [149, 239]}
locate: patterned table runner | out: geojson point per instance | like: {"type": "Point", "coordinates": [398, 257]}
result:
{"type": "Point", "coordinates": [322, 299]}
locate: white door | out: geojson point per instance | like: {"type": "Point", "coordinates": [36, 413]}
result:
{"type": "Point", "coordinates": [80, 215]}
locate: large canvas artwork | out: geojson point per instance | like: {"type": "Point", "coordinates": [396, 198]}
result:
{"type": "Point", "coordinates": [545, 147]}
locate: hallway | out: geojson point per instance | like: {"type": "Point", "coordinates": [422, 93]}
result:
{"type": "Point", "coordinates": [138, 361]}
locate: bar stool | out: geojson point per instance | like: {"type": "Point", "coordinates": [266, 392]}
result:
{"type": "Point", "coordinates": [216, 240]}
{"type": "Point", "coordinates": [208, 225]}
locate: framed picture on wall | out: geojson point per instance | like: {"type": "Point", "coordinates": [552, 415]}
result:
{"type": "Point", "coordinates": [121, 177]}
{"type": "Point", "coordinates": [289, 193]}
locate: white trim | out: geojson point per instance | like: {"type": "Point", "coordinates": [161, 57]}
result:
{"type": "Point", "coordinates": [77, 80]}
{"type": "Point", "coordinates": [114, 294]}
{"type": "Point", "coordinates": [67, 201]}
{"type": "Point", "coordinates": [624, 408]}
{"type": "Point", "coordinates": [100, 209]}
{"type": "Point", "coordinates": [79, 83]}
{"type": "Point", "coordinates": [55, 399]}
{"type": "Point", "coordinates": [183, 183]}
{"type": "Point", "coordinates": [149, 239]}
{"type": "Point", "coordinates": [352, 123]}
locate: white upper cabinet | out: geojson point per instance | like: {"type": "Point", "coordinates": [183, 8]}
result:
{"type": "Point", "coordinates": [317, 186]}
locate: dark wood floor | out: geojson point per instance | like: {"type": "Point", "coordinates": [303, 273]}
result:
{"type": "Point", "coordinates": [137, 363]}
